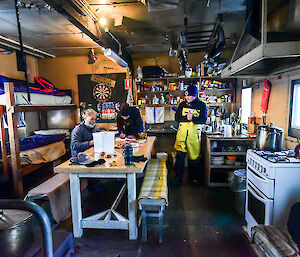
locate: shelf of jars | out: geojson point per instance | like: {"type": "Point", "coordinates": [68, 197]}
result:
{"type": "Point", "coordinates": [166, 92]}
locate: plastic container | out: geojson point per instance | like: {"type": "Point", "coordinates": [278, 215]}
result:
{"type": "Point", "coordinates": [162, 156]}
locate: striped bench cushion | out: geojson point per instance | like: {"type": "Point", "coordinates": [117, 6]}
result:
{"type": "Point", "coordinates": [155, 181]}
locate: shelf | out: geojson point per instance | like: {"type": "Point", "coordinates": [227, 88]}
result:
{"type": "Point", "coordinates": [186, 78]}
{"type": "Point", "coordinates": [216, 90]}
{"type": "Point", "coordinates": [171, 78]}
{"type": "Point", "coordinates": [157, 105]}
{"type": "Point", "coordinates": [182, 91]}
{"type": "Point", "coordinates": [36, 108]}
{"type": "Point", "coordinates": [227, 153]}
{"type": "Point", "coordinates": [228, 166]}
{"type": "Point", "coordinates": [157, 92]}
{"type": "Point", "coordinates": [218, 104]}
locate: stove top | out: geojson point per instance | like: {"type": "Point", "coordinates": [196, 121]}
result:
{"type": "Point", "coordinates": [284, 156]}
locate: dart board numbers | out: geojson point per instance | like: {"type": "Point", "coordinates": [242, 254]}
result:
{"type": "Point", "coordinates": [101, 92]}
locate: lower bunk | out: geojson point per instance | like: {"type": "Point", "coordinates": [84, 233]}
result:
{"type": "Point", "coordinates": [38, 155]}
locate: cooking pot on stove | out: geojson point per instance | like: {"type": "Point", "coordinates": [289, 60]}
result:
{"type": "Point", "coordinates": [269, 138]}
{"type": "Point", "coordinates": [16, 232]}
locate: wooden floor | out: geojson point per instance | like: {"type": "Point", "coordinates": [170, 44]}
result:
{"type": "Point", "coordinates": [199, 221]}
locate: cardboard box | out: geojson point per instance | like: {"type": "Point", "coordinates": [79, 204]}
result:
{"type": "Point", "coordinates": [251, 120]}
{"type": "Point", "coordinates": [252, 128]}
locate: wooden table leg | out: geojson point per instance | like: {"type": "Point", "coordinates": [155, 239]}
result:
{"type": "Point", "coordinates": [76, 205]}
{"type": "Point", "coordinates": [131, 188]}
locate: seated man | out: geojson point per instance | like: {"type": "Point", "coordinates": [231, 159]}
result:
{"type": "Point", "coordinates": [129, 121]}
{"type": "Point", "coordinates": [82, 139]}
{"type": "Point", "coordinates": [82, 134]}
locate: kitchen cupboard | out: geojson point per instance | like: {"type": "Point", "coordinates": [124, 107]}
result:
{"type": "Point", "coordinates": [223, 155]}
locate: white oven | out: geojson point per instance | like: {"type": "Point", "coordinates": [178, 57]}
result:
{"type": "Point", "coordinates": [272, 188]}
{"type": "Point", "coordinates": [259, 209]}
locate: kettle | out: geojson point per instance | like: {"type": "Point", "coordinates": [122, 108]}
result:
{"type": "Point", "coordinates": [269, 138]}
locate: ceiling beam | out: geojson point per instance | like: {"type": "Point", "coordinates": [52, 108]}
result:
{"type": "Point", "coordinates": [197, 44]}
{"type": "Point", "coordinates": [198, 39]}
{"type": "Point", "coordinates": [8, 43]}
{"type": "Point", "coordinates": [88, 24]}
{"type": "Point", "coordinates": [199, 32]}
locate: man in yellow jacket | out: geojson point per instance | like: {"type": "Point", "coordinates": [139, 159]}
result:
{"type": "Point", "coordinates": [190, 114]}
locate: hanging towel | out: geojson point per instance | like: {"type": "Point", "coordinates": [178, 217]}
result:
{"type": "Point", "coordinates": [155, 115]}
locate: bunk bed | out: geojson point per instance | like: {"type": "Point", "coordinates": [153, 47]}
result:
{"type": "Point", "coordinates": [14, 99]}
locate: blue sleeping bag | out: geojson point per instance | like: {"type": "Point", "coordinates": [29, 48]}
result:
{"type": "Point", "coordinates": [35, 141]}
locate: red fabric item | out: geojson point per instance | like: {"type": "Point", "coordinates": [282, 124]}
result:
{"type": "Point", "coordinates": [265, 96]}
{"type": "Point", "coordinates": [45, 86]}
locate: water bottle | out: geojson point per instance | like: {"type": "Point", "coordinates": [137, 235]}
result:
{"type": "Point", "coordinates": [128, 155]}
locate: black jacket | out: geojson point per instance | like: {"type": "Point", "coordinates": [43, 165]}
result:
{"type": "Point", "coordinates": [197, 107]}
{"type": "Point", "coordinates": [133, 125]}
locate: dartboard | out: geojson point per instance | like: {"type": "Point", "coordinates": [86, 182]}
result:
{"type": "Point", "coordinates": [101, 92]}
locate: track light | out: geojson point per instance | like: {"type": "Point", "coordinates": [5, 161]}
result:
{"type": "Point", "coordinates": [110, 54]}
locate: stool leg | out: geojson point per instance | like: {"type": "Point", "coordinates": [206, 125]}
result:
{"type": "Point", "coordinates": [144, 226]}
{"type": "Point", "coordinates": [160, 218]}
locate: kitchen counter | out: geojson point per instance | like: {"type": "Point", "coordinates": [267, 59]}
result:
{"type": "Point", "coordinates": [218, 136]}
{"type": "Point", "coordinates": [161, 131]}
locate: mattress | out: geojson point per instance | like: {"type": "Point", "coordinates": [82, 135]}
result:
{"type": "Point", "coordinates": [21, 98]}
{"type": "Point", "coordinates": [44, 154]}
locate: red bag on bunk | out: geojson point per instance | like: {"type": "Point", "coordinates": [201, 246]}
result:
{"type": "Point", "coordinates": [44, 85]}
{"type": "Point", "coordinates": [266, 96]}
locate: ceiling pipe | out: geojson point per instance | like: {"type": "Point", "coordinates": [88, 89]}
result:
{"type": "Point", "coordinates": [12, 44]}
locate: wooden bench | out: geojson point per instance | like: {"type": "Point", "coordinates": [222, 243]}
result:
{"type": "Point", "coordinates": [153, 197]}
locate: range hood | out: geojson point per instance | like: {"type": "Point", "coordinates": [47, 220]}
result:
{"type": "Point", "coordinates": [267, 56]}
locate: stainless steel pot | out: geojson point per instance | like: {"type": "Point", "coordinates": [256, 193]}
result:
{"type": "Point", "coordinates": [269, 138]}
{"type": "Point", "coordinates": [16, 232]}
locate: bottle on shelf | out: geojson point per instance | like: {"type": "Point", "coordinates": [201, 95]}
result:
{"type": "Point", "coordinates": [162, 99]}
{"type": "Point", "coordinates": [139, 72]}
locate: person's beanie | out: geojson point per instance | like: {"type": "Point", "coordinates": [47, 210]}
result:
{"type": "Point", "coordinates": [192, 91]}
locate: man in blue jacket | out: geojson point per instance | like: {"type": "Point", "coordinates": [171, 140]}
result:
{"type": "Point", "coordinates": [82, 134]}
{"type": "Point", "coordinates": [82, 139]}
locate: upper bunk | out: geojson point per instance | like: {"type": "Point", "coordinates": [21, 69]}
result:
{"type": "Point", "coordinates": [43, 96]}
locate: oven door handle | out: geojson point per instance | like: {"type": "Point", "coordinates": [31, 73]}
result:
{"type": "Point", "coordinates": [256, 194]}
{"type": "Point", "coordinates": [257, 176]}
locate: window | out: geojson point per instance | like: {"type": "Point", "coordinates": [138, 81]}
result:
{"type": "Point", "coordinates": [294, 128]}
{"type": "Point", "coordinates": [246, 104]}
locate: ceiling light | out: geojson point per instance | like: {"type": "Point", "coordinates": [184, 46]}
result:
{"type": "Point", "coordinates": [143, 2]}
{"type": "Point", "coordinates": [102, 21]}
{"type": "Point", "coordinates": [110, 54]}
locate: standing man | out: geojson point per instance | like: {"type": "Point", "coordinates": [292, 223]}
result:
{"type": "Point", "coordinates": [189, 115]}
{"type": "Point", "coordinates": [82, 139]}
{"type": "Point", "coordinates": [129, 121]}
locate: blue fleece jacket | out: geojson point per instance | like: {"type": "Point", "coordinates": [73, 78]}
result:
{"type": "Point", "coordinates": [80, 137]}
